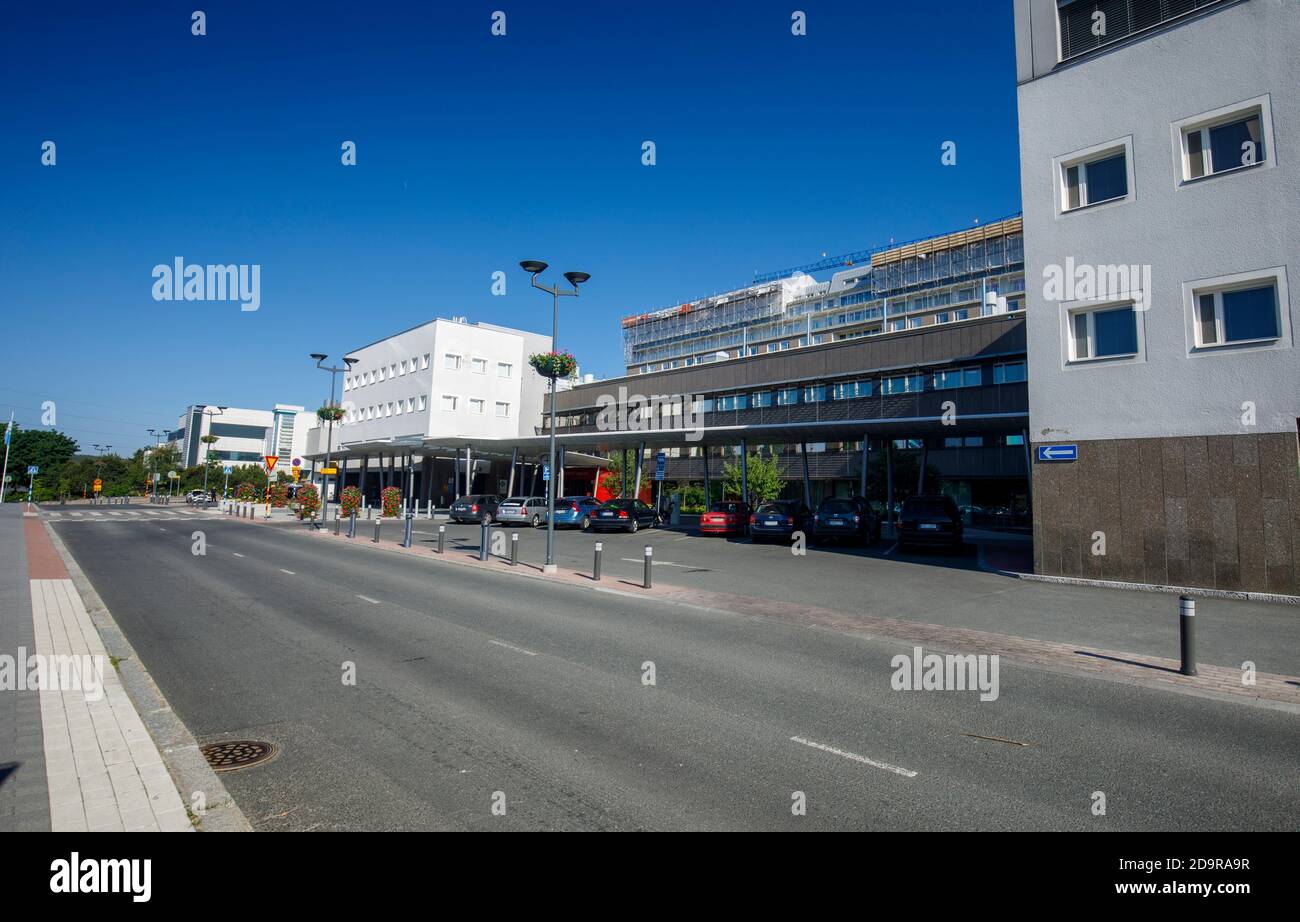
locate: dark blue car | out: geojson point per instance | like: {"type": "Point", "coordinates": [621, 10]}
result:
{"type": "Point", "coordinates": [575, 511]}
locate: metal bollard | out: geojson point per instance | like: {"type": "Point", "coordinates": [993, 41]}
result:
{"type": "Point", "coordinates": [410, 518]}
{"type": "Point", "coordinates": [352, 524]}
{"type": "Point", "coordinates": [649, 558]}
{"type": "Point", "coordinates": [514, 550]}
{"type": "Point", "coordinates": [595, 567]}
{"type": "Point", "coordinates": [338, 523]}
{"type": "Point", "coordinates": [375, 539]}
{"type": "Point", "coordinates": [1187, 633]}
{"type": "Point", "coordinates": [367, 513]}
{"type": "Point", "coordinates": [442, 538]}
{"type": "Point", "coordinates": [483, 541]}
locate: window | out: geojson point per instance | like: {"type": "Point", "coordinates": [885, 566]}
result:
{"type": "Point", "coordinates": [958, 377]}
{"type": "Point", "coordinates": [388, 408]}
{"type": "Point", "coordinates": [1086, 25]}
{"type": "Point", "coordinates": [967, 441]}
{"type": "Point", "coordinates": [399, 408]}
{"type": "Point", "coordinates": [1009, 373]}
{"type": "Point", "coordinates": [423, 403]}
{"type": "Point", "coordinates": [851, 389]}
{"type": "Point", "coordinates": [448, 403]}
{"type": "Point", "coordinates": [1094, 178]}
{"type": "Point", "coordinates": [787, 397]}
{"type": "Point", "coordinates": [902, 384]}
{"type": "Point", "coordinates": [814, 394]}
{"type": "Point", "coordinates": [733, 402]}
{"type": "Point", "coordinates": [392, 370]}
{"type": "Point", "coordinates": [1013, 440]}
{"type": "Point", "coordinates": [505, 369]}
{"type": "Point", "coordinates": [761, 399]}
{"type": "Point", "coordinates": [503, 409]}
{"type": "Point", "coordinates": [478, 366]}
{"type": "Point", "coordinates": [403, 367]}
{"type": "Point", "coordinates": [1227, 139]}
{"type": "Point", "coordinates": [424, 361]}
{"type": "Point", "coordinates": [1238, 310]}
{"type": "Point", "coordinates": [1103, 333]}
{"type": "Point", "coordinates": [476, 405]}
{"type": "Point", "coordinates": [410, 404]}
{"type": "Point", "coordinates": [451, 362]}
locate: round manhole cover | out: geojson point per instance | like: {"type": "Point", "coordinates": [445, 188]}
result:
{"type": "Point", "coordinates": [226, 757]}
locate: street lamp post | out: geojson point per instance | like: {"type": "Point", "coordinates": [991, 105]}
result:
{"type": "Point", "coordinates": [535, 268]}
{"type": "Point", "coordinates": [207, 452]}
{"type": "Point", "coordinates": [348, 362]}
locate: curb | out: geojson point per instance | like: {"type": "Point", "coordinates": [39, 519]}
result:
{"type": "Point", "coordinates": [180, 751]}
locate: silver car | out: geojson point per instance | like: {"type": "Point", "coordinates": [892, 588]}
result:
{"type": "Point", "coordinates": [522, 510]}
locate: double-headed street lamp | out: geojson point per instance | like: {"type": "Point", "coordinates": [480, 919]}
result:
{"type": "Point", "coordinates": [207, 445]}
{"type": "Point", "coordinates": [348, 362]}
{"type": "Point", "coordinates": [535, 267]}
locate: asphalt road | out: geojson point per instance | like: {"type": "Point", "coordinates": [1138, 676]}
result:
{"type": "Point", "coordinates": [472, 683]}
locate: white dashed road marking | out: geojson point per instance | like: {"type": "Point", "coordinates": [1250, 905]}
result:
{"type": "Point", "coordinates": [366, 598]}
{"type": "Point", "coordinates": [290, 572]}
{"type": "Point", "coordinates": [508, 646]}
{"type": "Point", "coordinates": [237, 554]}
{"type": "Point", "coordinates": [854, 757]}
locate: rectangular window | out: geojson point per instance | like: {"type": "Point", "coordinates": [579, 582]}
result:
{"type": "Point", "coordinates": [814, 394]}
{"type": "Point", "coordinates": [1103, 333]}
{"type": "Point", "coordinates": [478, 366]}
{"type": "Point", "coordinates": [448, 403]}
{"type": "Point", "coordinates": [476, 405]}
{"type": "Point", "coordinates": [1014, 440]}
{"type": "Point", "coordinates": [504, 369]}
{"type": "Point", "coordinates": [787, 397]}
{"type": "Point", "coordinates": [423, 403]}
{"type": "Point", "coordinates": [503, 409]}
{"type": "Point", "coordinates": [1237, 315]}
{"type": "Point", "coordinates": [1227, 139]}
{"type": "Point", "coordinates": [410, 404]}
{"type": "Point", "coordinates": [1009, 373]}
{"type": "Point", "coordinates": [1091, 182]}
{"type": "Point", "coordinates": [734, 402]}
{"type": "Point", "coordinates": [424, 360]}
{"type": "Point", "coordinates": [902, 384]}
{"type": "Point", "coordinates": [761, 398]}
{"type": "Point", "coordinates": [1086, 25]}
{"type": "Point", "coordinates": [451, 362]}
{"type": "Point", "coordinates": [958, 377]}
{"type": "Point", "coordinates": [851, 389]}
{"type": "Point", "coordinates": [398, 411]}
{"type": "Point", "coordinates": [402, 367]}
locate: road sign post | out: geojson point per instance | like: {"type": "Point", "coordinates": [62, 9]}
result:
{"type": "Point", "coordinates": [271, 461]}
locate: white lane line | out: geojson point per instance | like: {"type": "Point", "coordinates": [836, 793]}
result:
{"type": "Point", "coordinates": [237, 554]}
{"type": "Point", "coordinates": [290, 572]}
{"type": "Point", "coordinates": [366, 598]}
{"type": "Point", "coordinates": [501, 643]}
{"type": "Point", "coordinates": [658, 563]}
{"type": "Point", "coordinates": [854, 757]}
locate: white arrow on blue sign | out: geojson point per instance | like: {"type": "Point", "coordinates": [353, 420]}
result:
{"type": "Point", "coordinates": [1058, 452]}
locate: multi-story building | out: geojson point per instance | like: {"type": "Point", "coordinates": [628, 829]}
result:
{"type": "Point", "coordinates": [244, 436]}
{"type": "Point", "coordinates": [944, 279]}
{"type": "Point", "coordinates": [1161, 199]}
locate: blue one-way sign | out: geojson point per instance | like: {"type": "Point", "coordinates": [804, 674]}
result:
{"type": "Point", "coordinates": [1058, 452]}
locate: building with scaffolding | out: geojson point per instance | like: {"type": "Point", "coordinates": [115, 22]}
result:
{"type": "Point", "coordinates": [945, 279]}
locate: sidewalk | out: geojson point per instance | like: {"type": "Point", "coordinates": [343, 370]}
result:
{"type": "Point", "coordinates": [80, 756]}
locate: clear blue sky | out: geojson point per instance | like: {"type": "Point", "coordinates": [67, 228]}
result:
{"type": "Point", "coordinates": [473, 152]}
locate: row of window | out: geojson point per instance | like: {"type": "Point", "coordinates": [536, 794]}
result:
{"type": "Point", "coordinates": [450, 403]}
{"type": "Point", "coordinates": [1235, 137]}
{"type": "Point", "coordinates": [999, 440]}
{"type": "Point", "coordinates": [477, 406]}
{"type": "Point", "coordinates": [1232, 312]}
{"type": "Point", "coordinates": [451, 361]}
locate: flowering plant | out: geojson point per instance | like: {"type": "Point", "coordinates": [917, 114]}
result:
{"type": "Point", "coordinates": [554, 364]}
{"type": "Point", "coordinates": [279, 495]}
{"type": "Point", "coordinates": [245, 493]}
{"type": "Point", "coordinates": [308, 501]}
{"type": "Point", "coordinates": [350, 501]}
{"type": "Point", "coordinates": [392, 500]}
{"type": "Point", "coordinates": [330, 413]}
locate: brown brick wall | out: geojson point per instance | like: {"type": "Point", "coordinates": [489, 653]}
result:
{"type": "Point", "coordinates": [1220, 512]}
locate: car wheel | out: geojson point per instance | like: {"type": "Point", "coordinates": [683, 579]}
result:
{"type": "Point", "coordinates": [586, 523]}
{"type": "Point", "coordinates": [633, 527]}
{"type": "Point", "coordinates": [535, 521]}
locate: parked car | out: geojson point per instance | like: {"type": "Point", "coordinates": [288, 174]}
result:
{"type": "Point", "coordinates": [931, 521]}
{"type": "Point", "coordinates": [625, 514]}
{"type": "Point", "coordinates": [845, 519]}
{"type": "Point", "coordinates": [522, 510]}
{"type": "Point", "coordinates": [729, 517]}
{"type": "Point", "coordinates": [777, 519]}
{"type": "Point", "coordinates": [196, 496]}
{"type": "Point", "coordinates": [481, 507]}
{"type": "Point", "coordinates": [575, 510]}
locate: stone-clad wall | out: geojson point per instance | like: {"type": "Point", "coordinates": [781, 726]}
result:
{"type": "Point", "coordinates": [1218, 512]}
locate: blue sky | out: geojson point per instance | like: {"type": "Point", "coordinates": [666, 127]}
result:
{"type": "Point", "coordinates": [473, 152]}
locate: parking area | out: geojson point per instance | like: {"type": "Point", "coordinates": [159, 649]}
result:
{"type": "Point", "coordinates": [938, 587]}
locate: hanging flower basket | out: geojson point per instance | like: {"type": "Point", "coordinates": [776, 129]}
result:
{"type": "Point", "coordinates": [392, 501]}
{"type": "Point", "coordinates": [554, 364]}
{"type": "Point", "coordinates": [330, 413]}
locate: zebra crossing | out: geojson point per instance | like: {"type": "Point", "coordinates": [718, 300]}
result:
{"type": "Point", "coordinates": [132, 515]}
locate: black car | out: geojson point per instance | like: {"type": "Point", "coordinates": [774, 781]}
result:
{"type": "Point", "coordinates": [476, 508]}
{"type": "Point", "coordinates": [778, 519]}
{"type": "Point", "coordinates": [933, 521]}
{"type": "Point", "coordinates": [625, 514]}
{"type": "Point", "coordinates": [841, 518]}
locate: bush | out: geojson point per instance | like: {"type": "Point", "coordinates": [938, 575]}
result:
{"type": "Point", "coordinates": [308, 501]}
{"type": "Point", "coordinates": [350, 501]}
{"type": "Point", "coordinates": [279, 495]}
{"type": "Point", "coordinates": [392, 502]}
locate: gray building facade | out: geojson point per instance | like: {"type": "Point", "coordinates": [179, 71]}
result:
{"type": "Point", "coordinates": [1161, 201]}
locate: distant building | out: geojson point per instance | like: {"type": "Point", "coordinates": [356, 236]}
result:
{"type": "Point", "coordinates": [244, 436]}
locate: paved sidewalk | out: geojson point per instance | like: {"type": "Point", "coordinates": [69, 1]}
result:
{"type": "Point", "coordinates": [102, 771]}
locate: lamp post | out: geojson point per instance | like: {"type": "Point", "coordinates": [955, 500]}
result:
{"type": "Point", "coordinates": [207, 441]}
{"type": "Point", "coordinates": [535, 268]}
{"type": "Point", "coordinates": [348, 362]}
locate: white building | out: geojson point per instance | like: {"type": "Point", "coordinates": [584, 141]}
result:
{"type": "Point", "coordinates": [244, 436]}
{"type": "Point", "coordinates": [1158, 143]}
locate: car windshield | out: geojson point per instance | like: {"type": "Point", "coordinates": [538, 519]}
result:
{"type": "Point", "coordinates": [927, 506]}
{"type": "Point", "coordinates": [837, 505]}
{"type": "Point", "coordinates": [773, 509]}
{"type": "Point", "coordinates": [733, 508]}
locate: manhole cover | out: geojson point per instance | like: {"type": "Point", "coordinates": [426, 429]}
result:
{"type": "Point", "coordinates": [226, 757]}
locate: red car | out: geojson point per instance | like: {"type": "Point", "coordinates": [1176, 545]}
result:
{"type": "Point", "coordinates": [728, 517]}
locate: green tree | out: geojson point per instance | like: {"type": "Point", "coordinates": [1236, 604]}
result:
{"type": "Point", "coordinates": [765, 479]}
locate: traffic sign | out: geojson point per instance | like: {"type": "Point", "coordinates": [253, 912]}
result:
{"type": "Point", "coordinates": [1058, 452]}
{"type": "Point", "coordinates": [227, 469]}
{"type": "Point", "coordinates": [327, 471]}
{"type": "Point", "coordinates": [99, 484]}
{"type": "Point", "coordinates": [546, 472]}
{"type": "Point", "coordinates": [297, 462]}
{"type": "Point", "coordinates": [33, 469]}
{"type": "Point", "coordinates": [661, 462]}
{"type": "Point", "coordinates": [271, 461]}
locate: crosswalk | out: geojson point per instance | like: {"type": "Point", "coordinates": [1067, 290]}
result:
{"type": "Point", "coordinates": [132, 515]}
